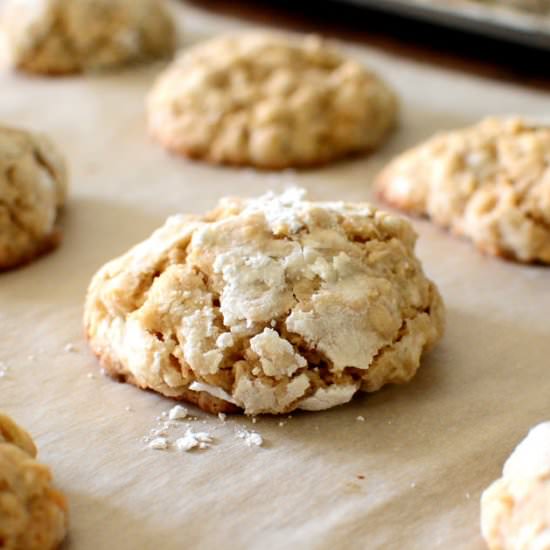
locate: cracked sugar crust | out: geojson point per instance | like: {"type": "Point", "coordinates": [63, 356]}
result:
{"type": "Point", "coordinates": [33, 514]}
{"type": "Point", "coordinates": [515, 509]}
{"type": "Point", "coordinates": [489, 182]}
{"type": "Point", "coordinates": [60, 36]}
{"type": "Point", "coordinates": [266, 305]}
{"type": "Point", "coordinates": [269, 101]}
{"type": "Point", "coordinates": [33, 185]}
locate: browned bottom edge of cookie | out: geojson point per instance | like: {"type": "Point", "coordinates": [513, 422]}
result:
{"type": "Point", "coordinates": [180, 151]}
{"type": "Point", "coordinates": [486, 248]}
{"type": "Point", "coordinates": [203, 400]}
{"type": "Point", "coordinates": [46, 245]}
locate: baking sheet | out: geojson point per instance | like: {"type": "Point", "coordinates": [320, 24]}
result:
{"type": "Point", "coordinates": [426, 450]}
{"type": "Point", "coordinates": [509, 23]}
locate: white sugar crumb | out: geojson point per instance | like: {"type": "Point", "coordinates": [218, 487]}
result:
{"type": "Point", "coordinates": [30, 357]}
{"type": "Point", "coordinates": [252, 439]}
{"type": "Point", "coordinates": [90, 375]}
{"type": "Point", "coordinates": [224, 340]}
{"type": "Point", "coordinates": [254, 420]}
{"type": "Point", "coordinates": [468, 496]}
{"type": "Point", "coordinates": [360, 418]}
{"type": "Point", "coordinates": [178, 413]}
{"type": "Point", "coordinates": [222, 416]}
{"type": "Point", "coordinates": [159, 444]}
{"type": "Point", "coordinates": [128, 408]}
{"type": "Point", "coordinates": [70, 347]}
{"type": "Point", "coordinates": [281, 424]}
{"type": "Point", "coordinates": [413, 485]}
{"type": "Point", "coordinates": [4, 369]}
{"type": "Point", "coordinates": [192, 440]}
{"type": "Point", "coordinates": [161, 431]}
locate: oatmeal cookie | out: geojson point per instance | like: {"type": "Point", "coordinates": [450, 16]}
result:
{"type": "Point", "coordinates": [33, 184]}
{"type": "Point", "coordinates": [269, 101]}
{"type": "Point", "coordinates": [69, 36]}
{"type": "Point", "coordinates": [266, 305]}
{"type": "Point", "coordinates": [515, 509]}
{"type": "Point", "coordinates": [33, 515]}
{"type": "Point", "coordinates": [489, 182]}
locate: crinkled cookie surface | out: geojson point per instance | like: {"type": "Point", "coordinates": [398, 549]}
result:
{"type": "Point", "coordinates": [267, 305]}
{"type": "Point", "coordinates": [68, 36]}
{"type": "Point", "coordinates": [489, 182]}
{"type": "Point", "coordinates": [33, 184]}
{"type": "Point", "coordinates": [33, 515]}
{"type": "Point", "coordinates": [515, 509]}
{"type": "Point", "coordinates": [269, 101]}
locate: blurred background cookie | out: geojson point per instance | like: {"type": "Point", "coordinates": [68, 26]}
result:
{"type": "Point", "coordinates": [62, 36]}
{"type": "Point", "coordinates": [269, 101]}
{"type": "Point", "coordinates": [515, 509]}
{"type": "Point", "coordinates": [267, 305]}
{"type": "Point", "coordinates": [33, 514]}
{"type": "Point", "coordinates": [489, 182]}
{"type": "Point", "coordinates": [33, 185]}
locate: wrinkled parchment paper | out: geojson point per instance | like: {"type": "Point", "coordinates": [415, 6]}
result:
{"type": "Point", "coordinates": [408, 477]}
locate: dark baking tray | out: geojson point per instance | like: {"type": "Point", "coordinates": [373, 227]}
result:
{"type": "Point", "coordinates": [495, 21]}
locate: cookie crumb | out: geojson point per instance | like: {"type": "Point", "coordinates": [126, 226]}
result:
{"type": "Point", "coordinates": [252, 439]}
{"type": "Point", "coordinates": [178, 413]}
{"type": "Point", "coordinates": [159, 444]}
{"type": "Point", "coordinates": [191, 440]}
{"type": "Point", "coordinates": [360, 418]}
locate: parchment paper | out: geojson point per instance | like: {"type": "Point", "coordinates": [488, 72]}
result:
{"type": "Point", "coordinates": [426, 449]}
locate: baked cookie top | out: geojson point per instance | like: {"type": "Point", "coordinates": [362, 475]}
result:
{"type": "Point", "coordinates": [68, 36]}
{"type": "Point", "coordinates": [515, 509]}
{"type": "Point", "coordinates": [269, 101]}
{"type": "Point", "coordinates": [489, 182]}
{"type": "Point", "coordinates": [33, 185]}
{"type": "Point", "coordinates": [33, 515]}
{"type": "Point", "coordinates": [268, 304]}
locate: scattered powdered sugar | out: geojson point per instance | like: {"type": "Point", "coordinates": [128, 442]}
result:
{"type": "Point", "coordinates": [252, 439]}
{"type": "Point", "coordinates": [178, 413]}
{"type": "Point", "coordinates": [192, 440]}
{"type": "Point", "coordinates": [159, 444]}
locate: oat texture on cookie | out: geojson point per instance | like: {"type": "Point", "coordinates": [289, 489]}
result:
{"type": "Point", "coordinates": [267, 305]}
{"type": "Point", "coordinates": [33, 185]}
{"type": "Point", "coordinates": [489, 182]}
{"type": "Point", "coordinates": [269, 101]}
{"type": "Point", "coordinates": [515, 509]}
{"type": "Point", "coordinates": [33, 514]}
{"type": "Point", "coordinates": [68, 36]}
